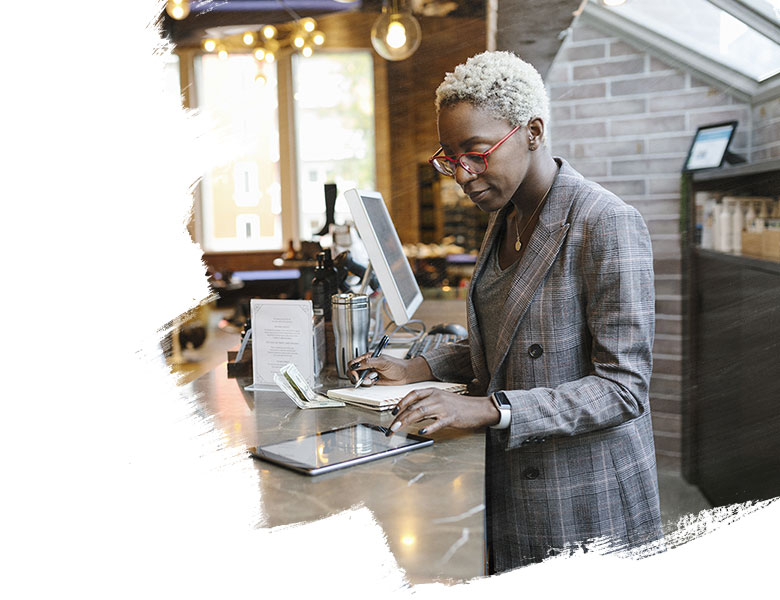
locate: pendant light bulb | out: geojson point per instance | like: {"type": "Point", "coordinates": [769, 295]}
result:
{"type": "Point", "coordinates": [269, 32]}
{"type": "Point", "coordinates": [396, 34]}
{"type": "Point", "coordinates": [210, 45]}
{"type": "Point", "coordinates": [178, 9]}
{"type": "Point", "coordinates": [307, 51]}
{"type": "Point", "coordinates": [308, 24]}
{"type": "Point", "coordinates": [318, 38]}
{"type": "Point", "coordinates": [248, 38]}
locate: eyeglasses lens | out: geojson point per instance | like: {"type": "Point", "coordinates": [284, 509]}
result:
{"type": "Point", "coordinates": [473, 163]}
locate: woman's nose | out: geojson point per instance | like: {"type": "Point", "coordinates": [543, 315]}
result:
{"type": "Point", "coordinates": [462, 176]}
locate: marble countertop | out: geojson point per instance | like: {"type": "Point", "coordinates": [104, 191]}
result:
{"type": "Point", "coordinates": [429, 502]}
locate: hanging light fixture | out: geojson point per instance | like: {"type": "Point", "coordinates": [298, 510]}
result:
{"type": "Point", "coordinates": [177, 9]}
{"type": "Point", "coordinates": [209, 45]}
{"type": "Point", "coordinates": [396, 33]}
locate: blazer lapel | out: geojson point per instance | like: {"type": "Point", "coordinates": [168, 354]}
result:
{"type": "Point", "coordinates": [543, 248]}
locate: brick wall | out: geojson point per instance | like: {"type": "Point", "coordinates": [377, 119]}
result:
{"type": "Point", "coordinates": [625, 119]}
{"type": "Point", "coordinates": [765, 141]}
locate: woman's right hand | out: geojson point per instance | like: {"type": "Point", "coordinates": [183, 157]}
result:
{"type": "Point", "coordinates": [389, 370]}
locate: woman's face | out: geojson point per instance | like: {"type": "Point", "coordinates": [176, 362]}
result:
{"type": "Point", "coordinates": [466, 128]}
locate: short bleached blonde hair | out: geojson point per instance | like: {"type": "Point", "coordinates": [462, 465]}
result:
{"type": "Point", "coordinates": [499, 82]}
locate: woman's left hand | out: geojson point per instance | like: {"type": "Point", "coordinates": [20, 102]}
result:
{"type": "Point", "coordinates": [446, 409]}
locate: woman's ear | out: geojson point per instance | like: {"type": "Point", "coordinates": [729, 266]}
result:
{"type": "Point", "coordinates": [535, 133]}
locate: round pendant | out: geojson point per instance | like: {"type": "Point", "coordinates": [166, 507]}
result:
{"type": "Point", "coordinates": [518, 245]}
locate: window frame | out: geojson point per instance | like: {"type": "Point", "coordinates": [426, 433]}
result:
{"type": "Point", "coordinates": [674, 53]}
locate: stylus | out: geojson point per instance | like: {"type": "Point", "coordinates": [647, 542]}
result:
{"type": "Point", "coordinates": [377, 351]}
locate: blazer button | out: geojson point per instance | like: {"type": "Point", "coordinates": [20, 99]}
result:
{"type": "Point", "coordinates": [535, 350]}
{"type": "Point", "coordinates": [531, 473]}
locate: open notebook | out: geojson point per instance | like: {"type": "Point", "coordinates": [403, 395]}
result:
{"type": "Point", "coordinates": [384, 397]}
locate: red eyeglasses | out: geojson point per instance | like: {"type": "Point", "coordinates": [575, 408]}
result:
{"type": "Point", "coordinates": [474, 162]}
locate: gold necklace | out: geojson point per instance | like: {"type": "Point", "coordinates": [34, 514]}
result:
{"type": "Point", "coordinates": [518, 243]}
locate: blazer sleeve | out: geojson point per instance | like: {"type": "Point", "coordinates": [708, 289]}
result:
{"type": "Point", "coordinates": [451, 362]}
{"type": "Point", "coordinates": [617, 271]}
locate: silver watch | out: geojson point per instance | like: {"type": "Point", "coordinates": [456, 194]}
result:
{"type": "Point", "coordinates": [502, 404]}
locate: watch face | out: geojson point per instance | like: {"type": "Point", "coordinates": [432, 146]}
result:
{"type": "Point", "coordinates": [501, 400]}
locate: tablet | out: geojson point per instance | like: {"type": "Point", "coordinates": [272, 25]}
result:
{"type": "Point", "coordinates": [338, 448]}
{"type": "Point", "coordinates": [710, 146]}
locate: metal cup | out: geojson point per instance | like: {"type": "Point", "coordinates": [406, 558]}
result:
{"type": "Point", "coordinates": [351, 318]}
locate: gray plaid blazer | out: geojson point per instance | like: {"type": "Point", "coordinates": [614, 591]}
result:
{"type": "Point", "coordinates": [575, 340]}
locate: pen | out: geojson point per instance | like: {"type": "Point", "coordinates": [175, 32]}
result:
{"type": "Point", "coordinates": [377, 351]}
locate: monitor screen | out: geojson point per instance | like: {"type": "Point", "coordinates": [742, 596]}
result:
{"type": "Point", "coordinates": [385, 252]}
{"type": "Point", "coordinates": [709, 146]}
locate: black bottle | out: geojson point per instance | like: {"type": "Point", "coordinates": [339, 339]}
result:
{"type": "Point", "coordinates": [320, 289]}
{"type": "Point", "coordinates": [332, 273]}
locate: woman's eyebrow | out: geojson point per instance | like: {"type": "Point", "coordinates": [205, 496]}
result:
{"type": "Point", "coordinates": [473, 139]}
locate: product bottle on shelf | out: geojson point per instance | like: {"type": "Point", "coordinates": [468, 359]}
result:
{"type": "Point", "coordinates": [725, 226]}
{"type": "Point", "coordinates": [320, 289]}
{"type": "Point", "coordinates": [716, 229]}
{"type": "Point", "coordinates": [737, 224]}
{"type": "Point", "coordinates": [750, 217]}
{"type": "Point", "coordinates": [763, 215]}
{"type": "Point", "coordinates": [707, 223]}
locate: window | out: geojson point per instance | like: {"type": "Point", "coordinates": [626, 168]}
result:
{"type": "Point", "coordinates": [731, 41]}
{"type": "Point", "coordinates": [332, 104]}
{"type": "Point", "coordinates": [244, 181]}
{"type": "Point", "coordinates": [334, 118]}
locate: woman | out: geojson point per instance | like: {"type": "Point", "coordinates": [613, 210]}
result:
{"type": "Point", "coordinates": [561, 318]}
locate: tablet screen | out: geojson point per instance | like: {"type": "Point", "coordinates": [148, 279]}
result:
{"type": "Point", "coordinates": [329, 450]}
{"type": "Point", "coordinates": [709, 146]}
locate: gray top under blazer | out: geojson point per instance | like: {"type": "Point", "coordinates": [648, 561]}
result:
{"type": "Point", "coordinates": [574, 356]}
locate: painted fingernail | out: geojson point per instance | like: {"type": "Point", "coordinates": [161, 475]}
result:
{"type": "Point", "coordinates": [355, 365]}
{"type": "Point", "coordinates": [395, 411]}
{"type": "Point", "coordinates": [423, 431]}
{"type": "Point", "coordinates": [395, 426]}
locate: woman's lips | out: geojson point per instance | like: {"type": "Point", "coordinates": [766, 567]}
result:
{"type": "Point", "coordinates": [476, 196]}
